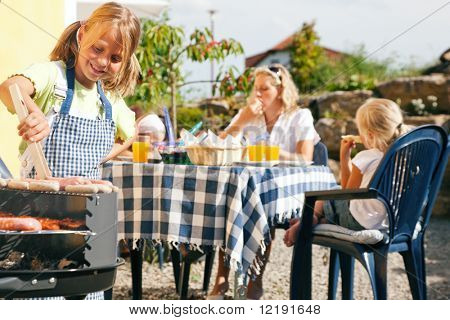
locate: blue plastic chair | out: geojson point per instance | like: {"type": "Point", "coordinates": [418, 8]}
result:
{"type": "Point", "coordinates": [320, 155]}
{"type": "Point", "coordinates": [407, 181]}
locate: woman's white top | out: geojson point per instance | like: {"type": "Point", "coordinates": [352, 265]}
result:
{"type": "Point", "coordinates": [370, 213]}
{"type": "Point", "coordinates": [290, 128]}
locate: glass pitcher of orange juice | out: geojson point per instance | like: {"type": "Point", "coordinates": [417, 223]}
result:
{"type": "Point", "coordinates": [141, 148]}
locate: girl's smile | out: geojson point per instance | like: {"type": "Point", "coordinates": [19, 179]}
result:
{"type": "Point", "coordinates": [97, 70]}
{"type": "Point", "coordinates": [100, 61]}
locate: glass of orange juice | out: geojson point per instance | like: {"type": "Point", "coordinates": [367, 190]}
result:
{"type": "Point", "coordinates": [140, 148]}
{"type": "Point", "coordinates": [256, 152]}
{"type": "Point", "coordinates": [272, 153]}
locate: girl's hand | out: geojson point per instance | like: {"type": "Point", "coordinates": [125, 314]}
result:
{"type": "Point", "coordinates": [35, 127]}
{"type": "Point", "coordinates": [346, 149]}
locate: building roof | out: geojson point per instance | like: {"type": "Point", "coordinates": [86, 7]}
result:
{"type": "Point", "coordinates": [282, 46]}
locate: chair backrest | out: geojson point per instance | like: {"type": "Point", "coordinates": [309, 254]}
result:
{"type": "Point", "coordinates": [320, 154]}
{"type": "Point", "coordinates": [408, 177]}
{"type": "Point", "coordinates": [4, 172]}
{"type": "Point", "coordinates": [435, 186]}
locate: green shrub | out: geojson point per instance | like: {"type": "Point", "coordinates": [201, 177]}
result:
{"type": "Point", "coordinates": [188, 117]}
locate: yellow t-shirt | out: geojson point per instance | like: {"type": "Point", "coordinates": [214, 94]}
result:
{"type": "Point", "coordinates": [85, 104]}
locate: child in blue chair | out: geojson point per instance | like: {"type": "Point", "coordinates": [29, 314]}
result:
{"type": "Point", "coordinates": [379, 123]}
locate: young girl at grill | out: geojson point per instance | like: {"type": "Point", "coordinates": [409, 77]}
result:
{"type": "Point", "coordinates": [272, 113]}
{"type": "Point", "coordinates": [379, 122]}
{"type": "Point", "coordinates": [75, 101]}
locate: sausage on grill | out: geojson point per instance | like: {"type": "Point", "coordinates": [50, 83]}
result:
{"type": "Point", "coordinates": [20, 224]}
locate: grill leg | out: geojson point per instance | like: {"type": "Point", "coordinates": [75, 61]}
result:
{"type": "Point", "coordinates": [136, 273]}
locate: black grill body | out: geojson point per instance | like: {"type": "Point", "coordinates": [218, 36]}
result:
{"type": "Point", "coordinates": [94, 249]}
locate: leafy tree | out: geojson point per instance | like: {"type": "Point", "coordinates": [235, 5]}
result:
{"type": "Point", "coordinates": [313, 71]}
{"type": "Point", "coordinates": [230, 82]}
{"type": "Point", "coordinates": [161, 53]}
{"type": "Point", "coordinates": [306, 57]}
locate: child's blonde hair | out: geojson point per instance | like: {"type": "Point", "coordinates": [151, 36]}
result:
{"type": "Point", "coordinates": [383, 119]}
{"type": "Point", "coordinates": [281, 77]}
{"type": "Point", "coordinates": [108, 16]}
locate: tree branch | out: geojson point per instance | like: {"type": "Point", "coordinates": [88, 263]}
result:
{"type": "Point", "coordinates": [197, 81]}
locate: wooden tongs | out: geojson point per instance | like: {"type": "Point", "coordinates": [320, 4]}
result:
{"type": "Point", "coordinates": [37, 156]}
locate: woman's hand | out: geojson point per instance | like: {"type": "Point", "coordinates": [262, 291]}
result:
{"type": "Point", "coordinates": [34, 127]}
{"type": "Point", "coordinates": [245, 116]}
{"type": "Point", "coordinates": [252, 110]}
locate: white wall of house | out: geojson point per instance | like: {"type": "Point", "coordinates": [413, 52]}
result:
{"type": "Point", "coordinates": [276, 57]}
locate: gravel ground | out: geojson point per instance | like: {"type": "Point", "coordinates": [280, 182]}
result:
{"type": "Point", "coordinates": [159, 284]}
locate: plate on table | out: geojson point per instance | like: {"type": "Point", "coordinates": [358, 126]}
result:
{"type": "Point", "coordinates": [274, 163]}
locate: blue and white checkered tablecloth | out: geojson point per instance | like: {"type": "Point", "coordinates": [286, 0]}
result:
{"type": "Point", "coordinates": [230, 207]}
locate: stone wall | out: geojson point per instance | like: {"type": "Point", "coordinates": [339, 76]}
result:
{"type": "Point", "coordinates": [335, 112]}
{"type": "Point", "coordinates": [405, 90]}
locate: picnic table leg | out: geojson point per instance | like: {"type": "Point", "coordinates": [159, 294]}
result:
{"type": "Point", "coordinates": [175, 254]}
{"type": "Point", "coordinates": [184, 279]}
{"type": "Point", "coordinates": [136, 272]}
{"type": "Point", "coordinates": [188, 256]}
{"type": "Point", "coordinates": [209, 261]}
{"type": "Point", "coordinates": [302, 255]}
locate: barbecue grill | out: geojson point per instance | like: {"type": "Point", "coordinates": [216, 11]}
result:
{"type": "Point", "coordinates": [69, 263]}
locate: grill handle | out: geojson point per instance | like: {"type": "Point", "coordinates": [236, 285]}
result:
{"type": "Point", "coordinates": [16, 284]}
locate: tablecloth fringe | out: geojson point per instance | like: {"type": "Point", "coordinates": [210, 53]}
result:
{"type": "Point", "coordinates": [233, 261]}
{"type": "Point", "coordinates": [138, 244]}
{"type": "Point", "coordinates": [190, 246]}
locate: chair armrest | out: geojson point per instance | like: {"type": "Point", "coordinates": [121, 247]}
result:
{"type": "Point", "coordinates": [305, 232]}
{"type": "Point", "coordinates": [342, 194]}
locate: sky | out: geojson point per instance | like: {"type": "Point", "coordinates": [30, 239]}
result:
{"type": "Point", "coordinates": [414, 31]}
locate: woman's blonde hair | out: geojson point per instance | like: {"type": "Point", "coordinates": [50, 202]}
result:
{"type": "Point", "coordinates": [108, 16]}
{"type": "Point", "coordinates": [281, 77]}
{"type": "Point", "coordinates": [383, 119]}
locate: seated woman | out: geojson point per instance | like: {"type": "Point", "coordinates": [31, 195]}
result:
{"type": "Point", "coordinates": [271, 112]}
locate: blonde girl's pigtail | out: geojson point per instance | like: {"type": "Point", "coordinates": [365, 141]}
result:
{"type": "Point", "coordinates": [401, 129]}
{"type": "Point", "coordinates": [66, 48]}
